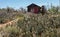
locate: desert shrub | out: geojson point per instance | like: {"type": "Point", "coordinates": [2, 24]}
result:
{"type": "Point", "coordinates": [58, 35]}
{"type": "Point", "coordinates": [2, 20]}
{"type": "Point", "coordinates": [11, 31]}
{"type": "Point", "coordinates": [54, 10]}
{"type": "Point", "coordinates": [39, 24]}
{"type": "Point", "coordinates": [34, 24]}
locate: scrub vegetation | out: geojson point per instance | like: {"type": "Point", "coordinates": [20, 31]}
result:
{"type": "Point", "coordinates": [30, 24]}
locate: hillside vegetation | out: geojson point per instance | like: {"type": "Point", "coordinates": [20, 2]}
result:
{"type": "Point", "coordinates": [30, 24]}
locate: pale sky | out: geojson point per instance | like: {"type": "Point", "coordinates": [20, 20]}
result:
{"type": "Point", "coordinates": [24, 3]}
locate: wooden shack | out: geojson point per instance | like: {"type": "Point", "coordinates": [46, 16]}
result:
{"type": "Point", "coordinates": [33, 8]}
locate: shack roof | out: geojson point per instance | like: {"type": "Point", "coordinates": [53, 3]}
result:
{"type": "Point", "coordinates": [32, 5]}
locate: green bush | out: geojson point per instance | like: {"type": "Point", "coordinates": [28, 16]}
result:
{"type": "Point", "coordinates": [39, 24]}
{"type": "Point", "coordinates": [11, 31]}
{"type": "Point", "coordinates": [36, 24]}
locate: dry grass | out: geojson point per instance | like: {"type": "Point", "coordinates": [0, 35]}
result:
{"type": "Point", "coordinates": [33, 25]}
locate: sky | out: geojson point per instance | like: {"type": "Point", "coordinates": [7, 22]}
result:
{"type": "Point", "coordinates": [24, 3]}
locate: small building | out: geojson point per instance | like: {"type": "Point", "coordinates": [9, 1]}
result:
{"type": "Point", "coordinates": [33, 8]}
